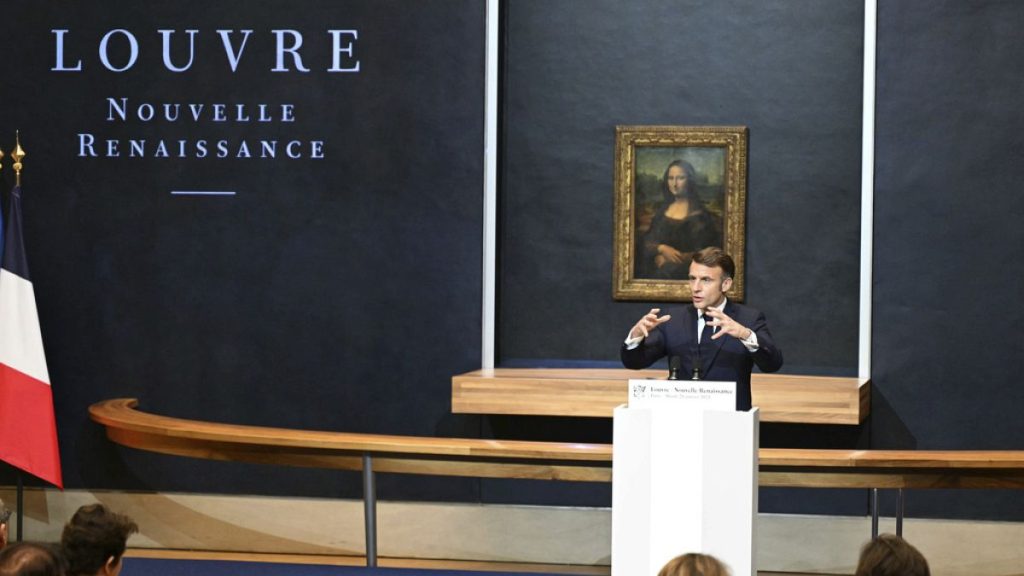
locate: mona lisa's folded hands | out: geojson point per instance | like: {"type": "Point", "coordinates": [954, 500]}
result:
{"type": "Point", "coordinates": [671, 254]}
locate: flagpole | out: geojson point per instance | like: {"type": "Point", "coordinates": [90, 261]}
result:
{"type": "Point", "coordinates": [18, 154]}
{"type": "Point", "coordinates": [19, 498]}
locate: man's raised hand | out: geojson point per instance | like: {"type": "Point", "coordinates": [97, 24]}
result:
{"type": "Point", "coordinates": [648, 323]}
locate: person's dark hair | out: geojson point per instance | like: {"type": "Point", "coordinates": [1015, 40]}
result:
{"type": "Point", "coordinates": [890, 555]}
{"type": "Point", "coordinates": [694, 565]}
{"type": "Point", "coordinates": [5, 514]}
{"type": "Point", "coordinates": [94, 535]}
{"type": "Point", "coordinates": [32, 559]}
{"type": "Point", "coordinates": [716, 257]}
{"type": "Point", "coordinates": [691, 185]}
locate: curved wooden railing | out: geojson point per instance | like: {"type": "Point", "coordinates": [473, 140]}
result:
{"type": "Point", "coordinates": [371, 453]}
{"type": "Point", "coordinates": [537, 460]}
{"type": "Point", "coordinates": [343, 450]}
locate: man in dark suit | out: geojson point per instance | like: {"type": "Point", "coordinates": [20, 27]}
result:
{"type": "Point", "coordinates": [714, 339]}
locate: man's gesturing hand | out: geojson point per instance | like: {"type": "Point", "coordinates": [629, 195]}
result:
{"type": "Point", "coordinates": [725, 324]}
{"type": "Point", "coordinates": [647, 323]}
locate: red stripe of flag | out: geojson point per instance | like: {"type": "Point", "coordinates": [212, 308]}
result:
{"type": "Point", "coordinates": [27, 426]}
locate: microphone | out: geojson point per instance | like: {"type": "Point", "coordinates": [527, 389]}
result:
{"type": "Point", "coordinates": [674, 364]}
{"type": "Point", "coordinates": [696, 367]}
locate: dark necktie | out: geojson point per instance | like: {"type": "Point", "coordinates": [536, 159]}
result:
{"type": "Point", "coordinates": [705, 335]}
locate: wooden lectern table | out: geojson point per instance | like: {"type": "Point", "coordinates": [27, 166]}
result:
{"type": "Point", "coordinates": [597, 391]}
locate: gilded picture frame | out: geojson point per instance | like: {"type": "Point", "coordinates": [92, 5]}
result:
{"type": "Point", "coordinates": [677, 190]}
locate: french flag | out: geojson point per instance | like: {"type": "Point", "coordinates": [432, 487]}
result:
{"type": "Point", "coordinates": [28, 430]}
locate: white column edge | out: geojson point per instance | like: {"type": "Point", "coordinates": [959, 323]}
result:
{"type": "Point", "coordinates": [490, 231]}
{"type": "Point", "coordinates": [867, 188]}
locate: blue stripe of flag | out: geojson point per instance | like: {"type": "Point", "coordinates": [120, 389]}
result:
{"type": "Point", "coordinates": [14, 260]}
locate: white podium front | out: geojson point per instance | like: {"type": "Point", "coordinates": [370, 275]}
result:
{"type": "Point", "coordinates": [684, 479]}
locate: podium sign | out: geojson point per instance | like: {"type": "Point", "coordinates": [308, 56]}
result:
{"type": "Point", "coordinates": [684, 479]}
{"type": "Point", "coordinates": [693, 394]}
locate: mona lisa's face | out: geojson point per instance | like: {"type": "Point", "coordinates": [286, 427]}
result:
{"type": "Point", "coordinates": [676, 181]}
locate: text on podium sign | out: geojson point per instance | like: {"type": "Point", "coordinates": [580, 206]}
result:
{"type": "Point", "coordinates": [696, 394]}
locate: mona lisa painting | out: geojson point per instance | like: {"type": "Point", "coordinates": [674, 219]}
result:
{"type": "Point", "coordinates": [678, 189]}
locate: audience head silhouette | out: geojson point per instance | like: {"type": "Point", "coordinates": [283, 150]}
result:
{"type": "Point", "coordinates": [31, 559]}
{"type": "Point", "coordinates": [890, 555]}
{"type": "Point", "coordinates": [5, 516]}
{"type": "Point", "coordinates": [694, 565]}
{"type": "Point", "coordinates": [94, 541]}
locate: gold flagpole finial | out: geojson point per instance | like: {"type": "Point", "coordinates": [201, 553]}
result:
{"type": "Point", "coordinates": [17, 154]}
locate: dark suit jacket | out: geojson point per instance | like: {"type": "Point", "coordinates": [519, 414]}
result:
{"type": "Point", "coordinates": [724, 359]}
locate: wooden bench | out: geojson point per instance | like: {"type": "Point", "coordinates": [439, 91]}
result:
{"type": "Point", "coordinates": [566, 461]}
{"type": "Point", "coordinates": [596, 392]}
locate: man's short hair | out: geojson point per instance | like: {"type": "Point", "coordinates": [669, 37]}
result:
{"type": "Point", "coordinates": [890, 555]}
{"type": "Point", "coordinates": [93, 536]}
{"type": "Point", "coordinates": [714, 257]}
{"type": "Point", "coordinates": [32, 559]}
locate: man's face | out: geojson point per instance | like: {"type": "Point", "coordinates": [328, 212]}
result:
{"type": "Point", "coordinates": [707, 285]}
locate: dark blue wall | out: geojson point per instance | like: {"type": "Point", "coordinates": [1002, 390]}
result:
{"type": "Point", "coordinates": [327, 294]}
{"type": "Point", "coordinates": [789, 71]}
{"type": "Point", "coordinates": [948, 246]}
{"type": "Point", "coordinates": [949, 251]}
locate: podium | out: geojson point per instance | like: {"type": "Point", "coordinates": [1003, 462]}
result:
{"type": "Point", "coordinates": [684, 478]}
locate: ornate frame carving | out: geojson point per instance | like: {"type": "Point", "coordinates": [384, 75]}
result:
{"type": "Point", "coordinates": [718, 154]}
